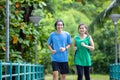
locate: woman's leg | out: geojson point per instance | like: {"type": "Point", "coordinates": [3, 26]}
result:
{"type": "Point", "coordinates": [79, 72]}
{"type": "Point", "coordinates": [87, 72]}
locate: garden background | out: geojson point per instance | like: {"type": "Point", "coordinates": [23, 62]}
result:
{"type": "Point", "coordinates": [24, 35]}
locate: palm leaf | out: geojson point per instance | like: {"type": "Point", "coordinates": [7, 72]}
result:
{"type": "Point", "coordinates": [101, 18]}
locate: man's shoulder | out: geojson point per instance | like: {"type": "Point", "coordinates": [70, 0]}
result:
{"type": "Point", "coordinates": [52, 33]}
{"type": "Point", "coordinates": [66, 32]}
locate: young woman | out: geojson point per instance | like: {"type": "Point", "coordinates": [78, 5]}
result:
{"type": "Point", "coordinates": [83, 44]}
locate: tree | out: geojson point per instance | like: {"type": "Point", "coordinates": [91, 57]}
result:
{"type": "Point", "coordinates": [22, 32]}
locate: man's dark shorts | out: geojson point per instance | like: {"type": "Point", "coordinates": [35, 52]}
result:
{"type": "Point", "coordinates": [60, 66]}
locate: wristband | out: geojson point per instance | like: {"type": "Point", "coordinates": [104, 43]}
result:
{"type": "Point", "coordinates": [66, 48]}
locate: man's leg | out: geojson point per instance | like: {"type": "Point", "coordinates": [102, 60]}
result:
{"type": "Point", "coordinates": [63, 77]}
{"type": "Point", "coordinates": [55, 75]}
{"type": "Point", "coordinates": [55, 67]}
{"type": "Point", "coordinates": [64, 69]}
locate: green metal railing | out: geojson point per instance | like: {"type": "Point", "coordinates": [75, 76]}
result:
{"type": "Point", "coordinates": [18, 71]}
{"type": "Point", "coordinates": [115, 71]}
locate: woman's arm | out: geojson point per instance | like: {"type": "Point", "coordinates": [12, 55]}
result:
{"type": "Point", "coordinates": [91, 46]}
{"type": "Point", "coordinates": [75, 48]}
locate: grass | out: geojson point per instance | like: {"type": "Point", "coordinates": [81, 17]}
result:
{"type": "Point", "coordinates": [74, 77]}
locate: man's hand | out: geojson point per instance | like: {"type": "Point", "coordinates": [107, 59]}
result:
{"type": "Point", "coordinates": [53, 51]}
{"type": "Point", "coordinates": [62, 49]}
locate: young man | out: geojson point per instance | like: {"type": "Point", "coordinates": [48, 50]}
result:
{"type": "Point", "coordinates": [58, 42]}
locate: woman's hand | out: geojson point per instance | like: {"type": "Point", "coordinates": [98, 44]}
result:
{"type": "Point", "coordinates": [87, 46]}
{"type": "Point", "coordinates": [83, 44]}
{"type": "Point", "coordinates": [75, 48]}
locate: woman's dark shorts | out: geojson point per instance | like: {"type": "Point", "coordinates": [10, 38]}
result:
{"type": "Point", "coordinates": [60, 66]}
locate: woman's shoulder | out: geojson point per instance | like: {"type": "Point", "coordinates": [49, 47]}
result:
{"type": "Point", "coordinates": [76, 36]}
{"type": "Point", "coordinates": [89, 37]}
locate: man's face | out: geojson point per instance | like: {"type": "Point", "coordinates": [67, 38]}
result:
{"type": "Point", "coordinates": [59, 26]}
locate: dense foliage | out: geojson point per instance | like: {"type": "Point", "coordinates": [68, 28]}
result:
{"type": "Point", "coordinates": [23, 34]}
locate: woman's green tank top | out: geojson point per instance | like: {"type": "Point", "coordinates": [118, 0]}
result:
{"type": "Point", "coordinates": [82, 54]}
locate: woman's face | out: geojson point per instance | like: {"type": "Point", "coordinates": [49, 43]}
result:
{"type": "Point", "coordinates": [59, 26]}
{"type": "Point", "coordinates": [82, 29]}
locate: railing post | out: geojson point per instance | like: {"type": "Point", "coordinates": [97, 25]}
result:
{"type": "Point", "coordinates": [24, 71]}
{"type": "Point", "coordinates": [36, 71]}
{"type": "Point", "coordinates": [114, 71]}
{"type": "Point", "coordinates": [33, 71]}
{"type": "Point", "coordinates": [42, 67]}
{"type": "Point", "coordinates": [42, 72]}
{"type": "Point", "coordinates": [10, 71]}
{"type": "Point", "coordinates": [39, 72]}
{"type": "Point", "coordinates": [0, 70]}
{"type": "Point", "coordinates": [29, 71]}
{"type": "Point", "coordinates": [18, 72]}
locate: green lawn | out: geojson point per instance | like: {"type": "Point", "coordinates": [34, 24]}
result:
{"type": "Point", "coordinates": [74, 77]}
